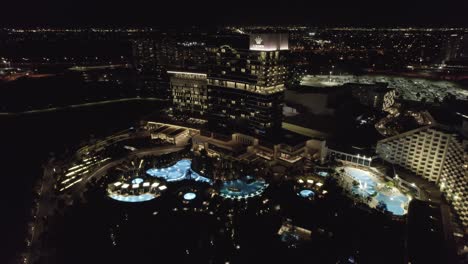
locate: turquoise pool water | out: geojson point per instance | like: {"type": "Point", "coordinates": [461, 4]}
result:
{"type": "Point", "coordinates": [323, 173]}
{"type": "Point", "coordinates": [137, 181]}
{"type": "Point", "coordinates": [181, 170]}
{"type": "Point", "coordinates": [306, 193]}
{"type": "Point", "coordinates": [367, 186]}
{"type": "Point", "coordinates": [132, 198]}
{"type": "Point", "coordinates": [365, 179]}
{"type": "Point", "coordinates": [242, 188]}
{"type": "Point", "coordinates": [394, 203]}
{"type": "Point", "coordinates": [189, 196]}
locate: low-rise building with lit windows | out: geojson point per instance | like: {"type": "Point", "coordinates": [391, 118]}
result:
{"type": "Point", "coordinates": [171, 134]}
{"type": "Point", "coordinates": [244, 147]}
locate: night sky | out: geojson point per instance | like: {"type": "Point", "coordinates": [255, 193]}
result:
{"type": "Point", "coordinates": [182, 13]}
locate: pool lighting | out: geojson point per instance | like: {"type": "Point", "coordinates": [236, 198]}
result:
{"type": "Point", "coordinates": [132, 198]}
{"type": "Point", "coordinates": [137, 180]}
{"type": "Point", "coordinates": [238, 189]}
{"type": "Point", "coordinates": [369, 185]}
{"type": "Point", "coordinates": [189, 196]}
{"type": "Point", "coordinates": [179, 171]}
{"type": "Point", "coordinates": [306, 193]}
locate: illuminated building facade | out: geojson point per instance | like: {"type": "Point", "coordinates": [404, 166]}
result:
{"type": "Point", "coordinates": [436, 154]}
{"type": "Point", "coordinates": [248, 148]}
{"type": "Point", "coordinates": [246, 83]}
{"type": "Point", "coordinates": [189, 93]}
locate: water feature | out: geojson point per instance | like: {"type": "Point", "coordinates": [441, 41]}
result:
{"type": "Point", "coordinates": [181, 170]}
{"type": "Point", "coordinates": [242, 188]}
{"type": "Point", "coordinates": [367, 186]}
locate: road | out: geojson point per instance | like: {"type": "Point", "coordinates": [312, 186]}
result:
{"type": "Point", "coordinates": [45, 207]}
{"type": "Point", "coordinates": [53, 109]}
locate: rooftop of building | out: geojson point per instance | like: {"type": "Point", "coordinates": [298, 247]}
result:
{"type": "Point", "coordinates": [291, 138]}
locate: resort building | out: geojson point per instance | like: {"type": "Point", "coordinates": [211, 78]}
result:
{"type": "Point", "coordinates": [359, 159]}
{"type": "Point", "coordinates": [322, 96]}
{"type": "Point", "coordinates": [169, 133]}
{"type": "Point", "coordinates": [438, 155]}
{"type": "Point", "coordinates": [293, 149]}
{"type": "Point", "coordinates": [189, 93]}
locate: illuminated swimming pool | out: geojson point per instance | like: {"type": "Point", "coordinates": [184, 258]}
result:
{"type": "Point", "coordinates": [177, 172]}
{"type": "Point", "coordinates": [322, 173]}
{"type": "Point", "coordinates": [367, 183]}
{"type": "Point", "coordinates": [242, 188]}
{"type": "Point", "coordinates": [306, 193]}
{"type": "Point", "coordinates": [137, 181]}
{"type": "Point", "coordinates": [132, 198]}
{"type": "Point", "coordinates": [394, 203]}
{"type": "Point", "coordinates": [189, 196]}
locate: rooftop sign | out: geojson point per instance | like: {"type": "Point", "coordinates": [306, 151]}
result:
{"type": "Point", "coordinates": [269, 42]}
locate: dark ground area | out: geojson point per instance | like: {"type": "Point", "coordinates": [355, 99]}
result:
{"type": "Point", "coordinates": [28, 140]}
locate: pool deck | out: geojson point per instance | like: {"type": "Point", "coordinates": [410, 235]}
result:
{"type": "Point", "coordinates": [369, 184]}
{"type": "Point", "coordinates": [240, 188]}
{"type": "Point", "coordinates": [181, 170]}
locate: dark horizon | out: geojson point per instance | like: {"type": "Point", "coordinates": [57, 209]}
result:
{"type": "Point", "coordinates": [163, 14]}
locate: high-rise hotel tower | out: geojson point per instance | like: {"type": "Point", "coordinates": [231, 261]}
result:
{"type": "Point", "coordinates": [246, 79]}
